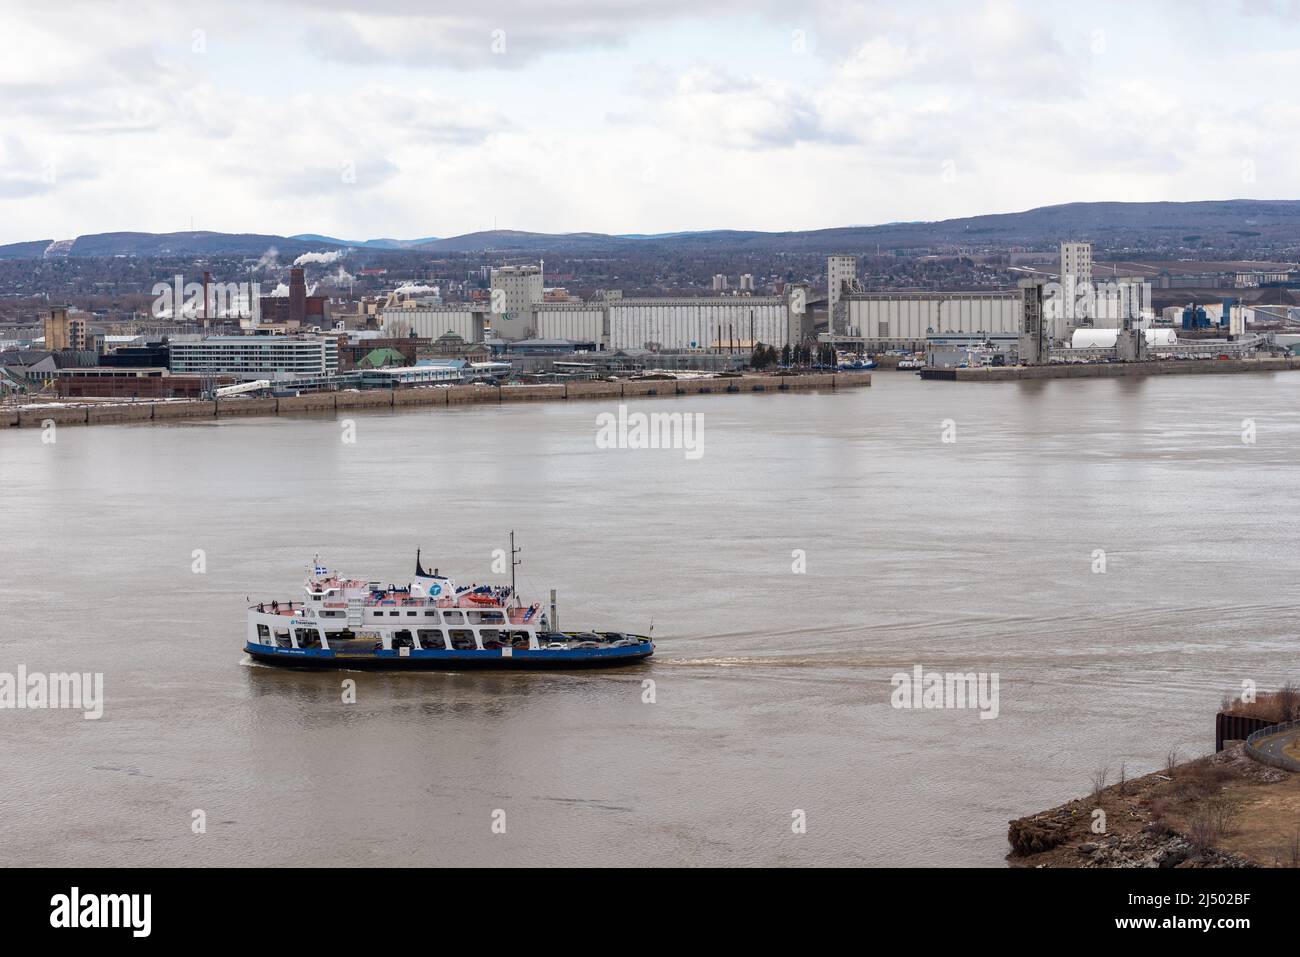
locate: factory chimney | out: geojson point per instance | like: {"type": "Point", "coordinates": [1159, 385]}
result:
{"type": "Point", "coordinates": [297, 298]}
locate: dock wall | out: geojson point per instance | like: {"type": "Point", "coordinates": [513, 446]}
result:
{"type": "Point", "coordinates": [331, 402]}
{"type": "Point", "coordinates": [1112, 370]}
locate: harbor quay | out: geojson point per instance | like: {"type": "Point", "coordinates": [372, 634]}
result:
{"type": "Point", "coordinates": [1111, 370]}
{"type": "Point", "coordinates": [82, 413]}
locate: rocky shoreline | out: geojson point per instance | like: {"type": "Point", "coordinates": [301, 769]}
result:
{"type": "Point", "coordinates": [1188, 816]}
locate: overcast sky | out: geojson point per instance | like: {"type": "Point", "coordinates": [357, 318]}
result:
{"type": "Point", "coordinates": [407, 119]}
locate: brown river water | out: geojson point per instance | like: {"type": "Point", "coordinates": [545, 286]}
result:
{"type": "Point", "coordinates": [771, 687]}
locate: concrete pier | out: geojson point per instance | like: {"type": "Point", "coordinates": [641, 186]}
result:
{"type": "Point", "coordinates": [315, 403]}
{"type": "Point", "coordinates": [1111, 370]}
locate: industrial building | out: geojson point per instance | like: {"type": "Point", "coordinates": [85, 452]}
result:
{"type": "Point", "coordinates": [430, 322]}
{"type": "Point", "coordinates": [256, 357]}
{"type": "Point", "coordinates": [1109, 304]}
{"type": "Point", "coordinates": [841, 280]}
{"type": "Point", "coordinates": [515, 290]}
{"type": "Point", "coordinates": [894, 319]}
{"type": "Point", "coordinates": [715, 322]}
{"type": "Point", "coordinates": [575, 321]}
{"type": "Point", "coordinates": [1076, 276]}
{"type": "Point", "coordinates": [294, 311]}
{"type": "Point", "coordinates": [57, 330]}
{"type": "Point", "coordinates": [1253, 279]}
{"type": "Point", "coordinates": [135, 382]}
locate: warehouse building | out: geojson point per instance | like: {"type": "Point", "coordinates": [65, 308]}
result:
{"type": "Point", "coordinates": [574, 321]}
{"type": "Point", "coordinates": [432, 321]}
{"type": "Point", "coordinates": [716, 322]}
{"type": "Point", "coordinates": [894, 319]}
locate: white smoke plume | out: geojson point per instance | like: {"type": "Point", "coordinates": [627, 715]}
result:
{"type": "Point", "coordinates": [269, 259]}
{"type": "Point", "coordinates": [414, 289]}
{"type": "Point", "coordinates": [281, 290]}
{"type": "Point", "coordinates": [323, 259]}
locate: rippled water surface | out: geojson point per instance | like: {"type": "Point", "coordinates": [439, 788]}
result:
{"type": "Point", "coordinates": [771, 689]}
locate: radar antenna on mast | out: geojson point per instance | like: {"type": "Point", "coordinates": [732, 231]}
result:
{"type": "Point", "coordinates": [514, 563]}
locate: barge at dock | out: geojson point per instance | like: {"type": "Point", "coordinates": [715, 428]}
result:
{"type": "Point", "coordinates": [431, 623]}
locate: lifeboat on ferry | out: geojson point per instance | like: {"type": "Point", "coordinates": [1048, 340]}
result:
{"type": "Point", "coordinates": [482, 599]}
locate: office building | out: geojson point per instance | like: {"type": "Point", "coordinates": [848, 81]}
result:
{"type": "Point", "coordinates": [256, 357]}
{"type": "Point", "coordinates": [1076, 281]}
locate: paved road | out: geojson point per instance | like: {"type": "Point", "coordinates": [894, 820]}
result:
{"type": "Point", "coordinates": [1275, 744]}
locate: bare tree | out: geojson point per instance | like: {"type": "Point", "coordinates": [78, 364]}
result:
{"type": "Point", "coordinates": [1099, 781]}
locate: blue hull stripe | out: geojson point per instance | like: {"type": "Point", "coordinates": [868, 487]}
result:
{"type": "Point", "coordinates": [325, 656]}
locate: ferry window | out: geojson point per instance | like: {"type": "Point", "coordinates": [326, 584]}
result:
{"type": "Point", "coordinates": [453, 617]}
{"type": "Point", "coordinates": [462, 639]}
{"type": "Point", "coordinates": [263, 632]}
{"type": "Point", "coordinates": [403, 639]}
{"type": "Point", "coordinates": [489, 634]}
{"type": "Point", "coordinates": [411, 614]}
{"type": "Point", "coordinates": [393, 614]}
{"type": "Point", "coordinates": [486, 617]}
{"type": "Point", "coordinates": [430, 614]}
{"type": "Point", "coordinates": [431, 638]}
{"type": "Point", "coordinates": [307, 637]}
{"type": "Point", "coordinates": [282, 637]}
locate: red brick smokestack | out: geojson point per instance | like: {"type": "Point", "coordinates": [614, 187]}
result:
{"type": "Point", "coordinates": [297, 298]}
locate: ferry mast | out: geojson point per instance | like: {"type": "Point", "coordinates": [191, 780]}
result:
{"type": "Point", "coordinates": [514, 563]}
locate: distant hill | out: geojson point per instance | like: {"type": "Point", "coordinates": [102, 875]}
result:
{"type": "Point", "coordinates": [1110, 224]}
{"type": "Point", "coordinates": [185, 244]}
{"type": "Point", "coordinates": [523, 241]}
{"type": "Point", "coordinates": [29, 250]}
{"type": "Point", "coordinates": [365, 243]}
{"type": "Point", "coordinates": [1106, 223]}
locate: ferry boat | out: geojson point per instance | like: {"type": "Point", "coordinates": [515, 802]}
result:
{"type": "Point", "coordinates": [430, 623]}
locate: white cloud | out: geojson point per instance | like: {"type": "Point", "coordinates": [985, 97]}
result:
{"type": "Point", "coordinates": [741, 112]}
{"type": "Point", "coordinates": [397, 119]}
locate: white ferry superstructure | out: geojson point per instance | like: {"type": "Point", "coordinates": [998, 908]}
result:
{"type": "Point", "coordinates": [429, 623]}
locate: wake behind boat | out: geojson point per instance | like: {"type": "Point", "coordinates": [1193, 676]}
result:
{"type": "Point", "coordinates": [430, 623]}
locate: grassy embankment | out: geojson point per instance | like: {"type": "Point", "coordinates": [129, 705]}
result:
{"type": "Point", "coordinates": [1220, 810]}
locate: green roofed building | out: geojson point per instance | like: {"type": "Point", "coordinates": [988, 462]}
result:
{"type": "Point", "coordinates": [379, 358]}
